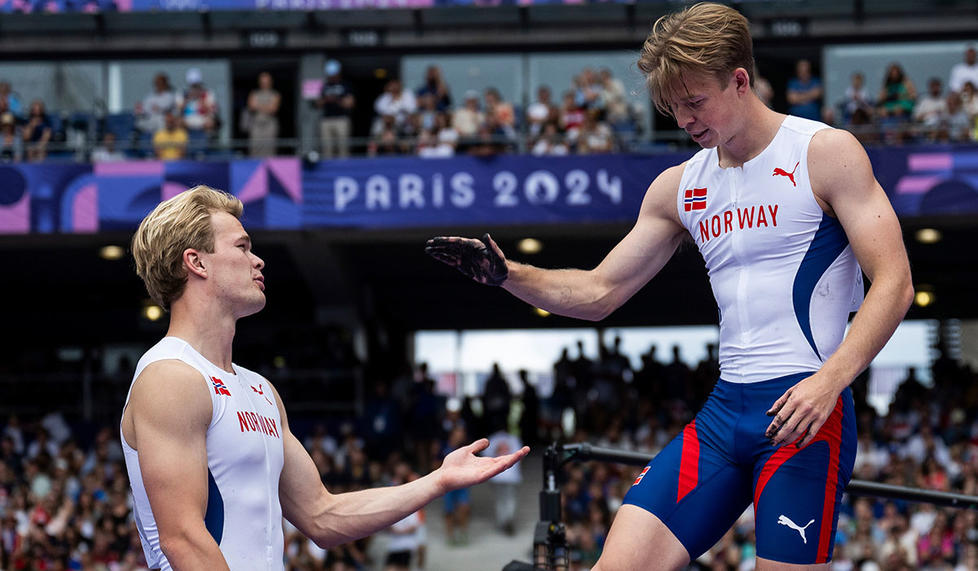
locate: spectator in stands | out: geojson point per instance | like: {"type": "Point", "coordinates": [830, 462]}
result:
{"type": "Point", "coordinates": [595, 136]}
{"type": "Point", "coordinates": [540, 112]}
{"type": "Point", "coordinates": [957, 124]}
{"type": "Point", "coordinates": [199, 109]}
{"type": "Point", "coordinates": [447, 135]}
{"type": "Point", "coordinates": [426, 145]}
{"type": "Point", "coordinates": [386, 142]}
{"type": "Point", "coordinates": [550, 142]}
{"type": "Point", "coordinates": [969, 99]}
{"type": "Point", "coordinates": [151, 111]}
{"type": "Point", "coordinates": [431, 145]}
{"type": "Point", "coordinates": [170, 142]}
{"type": "Point", "coordinates": [263, 104]}
{"type": "Point", "coordinates": [397, 103]}
{"type": "Point", "coordinates": [435, 86]}
{"type": "Point", "coordinates": [964, 71]}
{"type": "Point", "coordinates": [427, 112]}
{"type": "Point", "coordinates": [107, 152]}
{"type": "Point", "coordinates": [37, 132]}
{"type": "Point", "coordinates": [857, 101]}
{"type": "Point", "coordinates": [587, 91]}
{"type": "Point", "coordinates": [469, 117]}
{"type": "Point", "coordinates": [897, 96]}
{"type": "Point", "coordinates": [930, 109]}
{"type": "Point", "coordinates": [11, 143]}
{"type": "Point", "coordinates": [500, 111]}
{"type": "Point", "coordinates": [613, 95]}
{"type": "Point", "coordinates": [571, 117]}
{"type": "Point", "coordinates": [804, 92]}
{"type": "Point", "coordinates": [337, 103]}
{"type": "Point", "coordinates": [9, 99]}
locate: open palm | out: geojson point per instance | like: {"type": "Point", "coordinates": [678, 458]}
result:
{"type": "Point", "coordinates": [463, 468]}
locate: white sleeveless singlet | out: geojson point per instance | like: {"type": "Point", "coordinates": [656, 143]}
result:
{"type": "Point", "coordinates": [782, 271]}
{"type": "Point", "coordinates": [244, 461]}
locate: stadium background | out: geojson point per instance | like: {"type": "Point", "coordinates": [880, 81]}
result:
{"type": "Point", "coordinates": [349, 284]}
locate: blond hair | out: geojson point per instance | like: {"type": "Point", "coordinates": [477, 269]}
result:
{"type": "Point", "coordinates": [704, 38]}
{"type": "Point", "coordinates": [181, 222]}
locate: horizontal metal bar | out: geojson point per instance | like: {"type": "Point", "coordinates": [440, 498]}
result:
{"type": "Point", "coordinates": [583, 452]}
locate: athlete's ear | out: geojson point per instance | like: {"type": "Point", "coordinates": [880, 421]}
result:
{"type": "Point", "coordinates": [193, 262]}
{"type": "Point", "coordinates": [741, 79]}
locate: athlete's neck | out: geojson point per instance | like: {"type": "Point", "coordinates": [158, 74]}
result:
{"type": "Point", "coordinates": [206, 328]}
{"type": "Point", "coordinates": [760, 125]}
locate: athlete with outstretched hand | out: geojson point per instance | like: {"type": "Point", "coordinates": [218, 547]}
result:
{"type": "Point", "coordinates": [788, 216]}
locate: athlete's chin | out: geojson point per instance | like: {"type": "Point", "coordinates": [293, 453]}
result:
{"type": "Point", "coordinates": [252, 307]}
{"type": "Point", "coordinates": [704, 140]}
{"type": "Point", "coordinates": [707, 142]}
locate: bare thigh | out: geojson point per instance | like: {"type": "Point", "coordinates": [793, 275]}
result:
{"type": "Point", "coordinates": [639, 540]}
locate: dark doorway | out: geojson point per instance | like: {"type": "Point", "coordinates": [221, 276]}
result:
{"type": "Point", "coordinates": [368, 74]}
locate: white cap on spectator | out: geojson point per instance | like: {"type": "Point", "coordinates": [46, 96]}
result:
{"type": "Point", "coordinates": [194, 76]}
{"type": "Point", "coordinates": [332, 67]}
{"type": "Point", "coordinates": [471, 94]}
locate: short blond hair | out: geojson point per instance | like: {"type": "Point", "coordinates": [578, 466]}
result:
{"type": "Point", "coordinates": [181, 222]}
{"type": "Point", "coordinates": [705, 38]}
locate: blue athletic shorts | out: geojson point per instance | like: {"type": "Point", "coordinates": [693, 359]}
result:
{"type": "Point", "coordinates": [707, 476]}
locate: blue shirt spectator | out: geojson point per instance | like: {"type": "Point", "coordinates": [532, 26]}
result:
{"type": "Point", "coordinates": [804, 92]}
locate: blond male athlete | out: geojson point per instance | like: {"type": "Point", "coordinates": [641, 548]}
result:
{"type": "Point", "coordinates": [785, 212]}
{"type": "Point", "coordinates": [212, 463]}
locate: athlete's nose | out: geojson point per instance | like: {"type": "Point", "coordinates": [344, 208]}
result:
{"type": "Point", "coordinates": [683, 118]}
{"type": "Point", "coordinates": [259, 263]}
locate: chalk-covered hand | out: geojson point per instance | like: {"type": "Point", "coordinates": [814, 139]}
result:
{"type": "Point", "coordinates": [482, 261]}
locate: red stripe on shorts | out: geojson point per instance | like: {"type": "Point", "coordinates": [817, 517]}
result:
{"type": "Point", "coordinates": [780, 456]}
{"type": "Point", "coordinates": [689, 462]}
{"type": "Point", "coordinates": [831, 433]}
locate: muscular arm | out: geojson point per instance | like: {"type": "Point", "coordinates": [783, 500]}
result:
{"type": "Point", "coordinates": [584, 294]}
{"type": "Point", "coordinates": [594, 294]}
{"type": "Point", "coordinates": [334, 519]}
{"type": "Point", "coordinates": [166, 422]}
{"type": "Point", "coordinates": [842, 179]}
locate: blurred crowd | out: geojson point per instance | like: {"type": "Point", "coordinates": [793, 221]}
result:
{"type": "Point", "coordinates": [591, 114]}
{"type": "Point", "coordinates": [590, 117]}
{"type": "Point", "coordinates": [65, 501]}
{"type": "Point", "coordinates": [896, 112]}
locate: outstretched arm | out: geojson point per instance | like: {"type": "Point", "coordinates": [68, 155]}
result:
{"type": "Point", "coordinates": [584, 294]}
{"type": "Point", "coordinates": [842, 177]}
{"type": "Point", "coordinates": [334, 519]}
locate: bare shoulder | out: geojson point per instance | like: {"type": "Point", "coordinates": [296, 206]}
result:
{"type": "Point", "coordinates": [660, 198]}
{"type": "Point", "coordinates": [837, 162]}
{"type": "Point", "coordinates": [171, 386]}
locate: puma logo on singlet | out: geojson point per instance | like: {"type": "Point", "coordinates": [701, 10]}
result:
{"type": "Point", "coordinates": [784, 520]}
{"type": "Point", "coordinates": [790, 175]}
{"type": "Point", "coordinates": [260, 391]}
